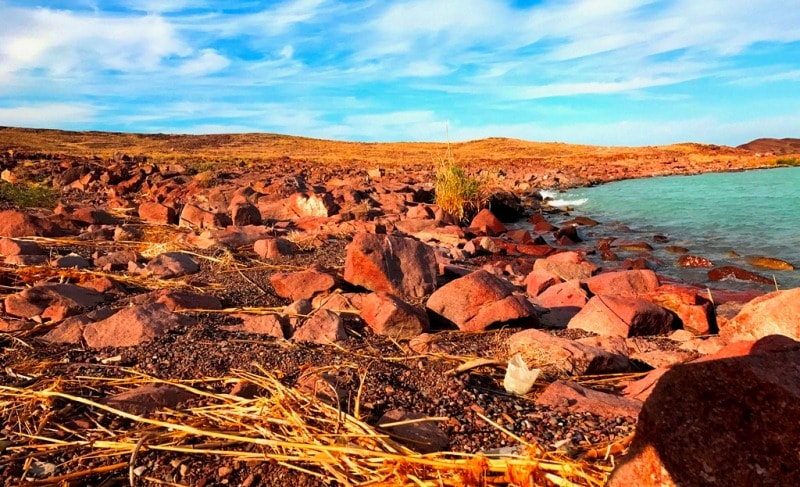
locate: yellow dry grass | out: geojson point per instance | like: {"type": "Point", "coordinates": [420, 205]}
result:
{"type": "Point", "coordinates": [283, 426]}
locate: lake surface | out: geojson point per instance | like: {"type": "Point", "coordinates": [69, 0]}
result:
{"type": "Point", "coordinates": [749, 213]}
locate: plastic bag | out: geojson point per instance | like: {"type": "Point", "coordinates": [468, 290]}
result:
{"type": "Point", "coordinates": [519, 379]}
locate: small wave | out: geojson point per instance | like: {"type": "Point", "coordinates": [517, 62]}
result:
{"type": "Point", "coordinates": [547, 194]}
{"type": "Point", "coordinates": [560, 203]}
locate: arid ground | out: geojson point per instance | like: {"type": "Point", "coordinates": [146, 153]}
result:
{"type": "Point", "coordinates": [261, 309]}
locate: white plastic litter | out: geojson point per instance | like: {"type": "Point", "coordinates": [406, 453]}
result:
{"type": "Point", "coordinates": [519, 378]}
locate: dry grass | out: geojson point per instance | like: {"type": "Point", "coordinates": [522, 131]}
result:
{"type": "Point", "coordinates": [213, 150]}
{"type": "Point", "coordinates": [456, 192]}
{"type": "Point", "coordinates": [283, 426]}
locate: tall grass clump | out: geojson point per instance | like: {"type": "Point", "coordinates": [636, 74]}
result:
{"type": "Point", "coordinates": [456, 192]}
{"type": "Point", "coordinates": [28, 195]}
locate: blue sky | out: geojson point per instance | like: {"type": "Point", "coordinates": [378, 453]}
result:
{"type": "Point", "coordinates": [606, 72]}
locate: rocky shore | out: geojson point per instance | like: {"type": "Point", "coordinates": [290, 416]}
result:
{"type": "Point", "coordinates": [314, 320]}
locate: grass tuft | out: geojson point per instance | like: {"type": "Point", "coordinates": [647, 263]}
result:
{"type": "Point", "coordinates": [788, 161]}
{"type": "Point", "coordinates": [456, 192]}
{"type": "Point", "coordinates": [29, 195]}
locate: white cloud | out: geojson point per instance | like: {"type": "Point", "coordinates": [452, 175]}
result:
{"type": "Point", "coordinates": [46, 115]}
{"type": "Point", "coordinates": [209, 61]}
{"type": "Point", "coordinates": [65, 43]}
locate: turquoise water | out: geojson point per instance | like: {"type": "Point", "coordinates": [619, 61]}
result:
{"type": "Point", "coordinates": [749, 213]}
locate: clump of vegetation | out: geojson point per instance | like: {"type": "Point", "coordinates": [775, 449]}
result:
{"type": "Point", "coordinates": [788, 161]}
{"type": "Point", "coordinates": [456, 192]}
{"type": "Point", "coordinates": [29, 195]}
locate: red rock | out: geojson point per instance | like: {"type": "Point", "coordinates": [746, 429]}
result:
{"type": "Point", "coordinates": [479, 300]}
{"type": "Point", "coordinates": [131, 326]}
{"type": "Point", "coordinates": [576, 398]}
{"type": "Point", "coordinates": [567, 235]}
{"type": "Point", "coordinates": [566, 265]}
{"type": "Point", "coordinates": [10, 246]}
{"type": "Point", "coordinates": [54, 301]}
{"type": "Point", "coordinates": [270, 324]}
{"type": "Point", "coordinates": [25, 260]}
{"type": "Point", "coordinates": [71, 261]}
{"type": "Point", "coordinates": [694, 312]}
{"type": "Point", "coordinates": [693, 261]}
{"type": "Point", "coordinates": [172, 264]}
{"type": "Point", "coordinates": [194, 216]}
{"type": "Point", "coordinates": [272, 248]}
{"type": "Point", "coordinates": [631, 245]}
{"type": "Point", "coordinates": [774, 313]}
{"type": "Point", "coordinates": [420, 436]}
{"type": "Point", "coordinates": [623, 316]}
{"type": "Point", "coordinates": [86, 215]}
{"type": "Point", "coordinates": [538, 281]}
{"type": "Point", "coordinates": [769, 263]}
{"type": "Point", "coordinates": [326, 387]}
{"type": "Point", "coordinates": [391, 316]}
{"type": "Point", "coordinates": [396, 265]}
{"type": "Point", "coordinates": [116, 261]}
{"type": "Point", "coordinates": [10, 325]}
{"type": "Point", "coordinates": [245, 214]}
{"type": "Point", "coordinates": [520, 236]}
{"type": "Point", "coordinates": [544, 226]}
{"type": "Point", "coordinates": [178, 300]}
{"type": "Point", "coordinates": [630, 283]}
{"type": "Point", "coordinates": [323, 327]}
{"type": "Point", "coordinates": [15, 223]}
{"type": "Point", "coordinates": [642, 388]}
{"type": "Point", "coordinates": [767, 344]}
{"type": "Point", "coordinates": [303, 284]}
{"type": "Point", "coordinates": [486, 222]}
{"type": "Point", "coordinates": [420, 212]}
{"type": "Point", "coordinates": [729, 271]}
{"type": "Point", "coordinates": [562, 302]}
{"type": "Point", "coordinates": [662, 358]}
{"type": "Point", "coordinates": [148, 398]}
{"type": "Point", "coordinates": [535, 250]}
{"type": "Point", "coordinates": [560, 356]}
{"type": "Point", "coordinates": [719, 422]}
{"type": "Point", "coordinates": [157, 213]}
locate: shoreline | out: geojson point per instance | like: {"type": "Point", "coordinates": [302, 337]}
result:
{"type": "Point", "coordinates": [666, 261]}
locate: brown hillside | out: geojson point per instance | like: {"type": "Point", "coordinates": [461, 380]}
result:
{"type": "Point", "coordinates": [777, 147]}
{"type": "Point", "coordinates": [578, 164]}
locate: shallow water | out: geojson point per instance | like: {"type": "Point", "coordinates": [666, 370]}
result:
{"type": "Point", "coordinates": [749, 213]}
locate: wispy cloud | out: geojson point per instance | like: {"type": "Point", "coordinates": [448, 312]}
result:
{"type": "Point", "coordinates": [47, 115]}
{"type": "Point", "coordinates": [394, 70]}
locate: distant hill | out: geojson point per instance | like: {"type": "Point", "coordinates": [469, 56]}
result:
{"type": "Point", "coordinates": [776, 146]}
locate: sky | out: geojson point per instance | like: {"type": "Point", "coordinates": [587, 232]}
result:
{"type": "Point", "coordinates": [604, 72]}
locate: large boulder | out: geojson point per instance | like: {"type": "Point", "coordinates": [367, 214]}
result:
{"type": "Point", "coordinates": [623, 316]}
{"type": "Point", "coordinates": [479, 300]}
{"type": "Point", "coordinates": [729, 421]}
{"type": "Point", "coordinates": [397, 265]}
{"type": "Point", "coordinates": [774, 313]}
